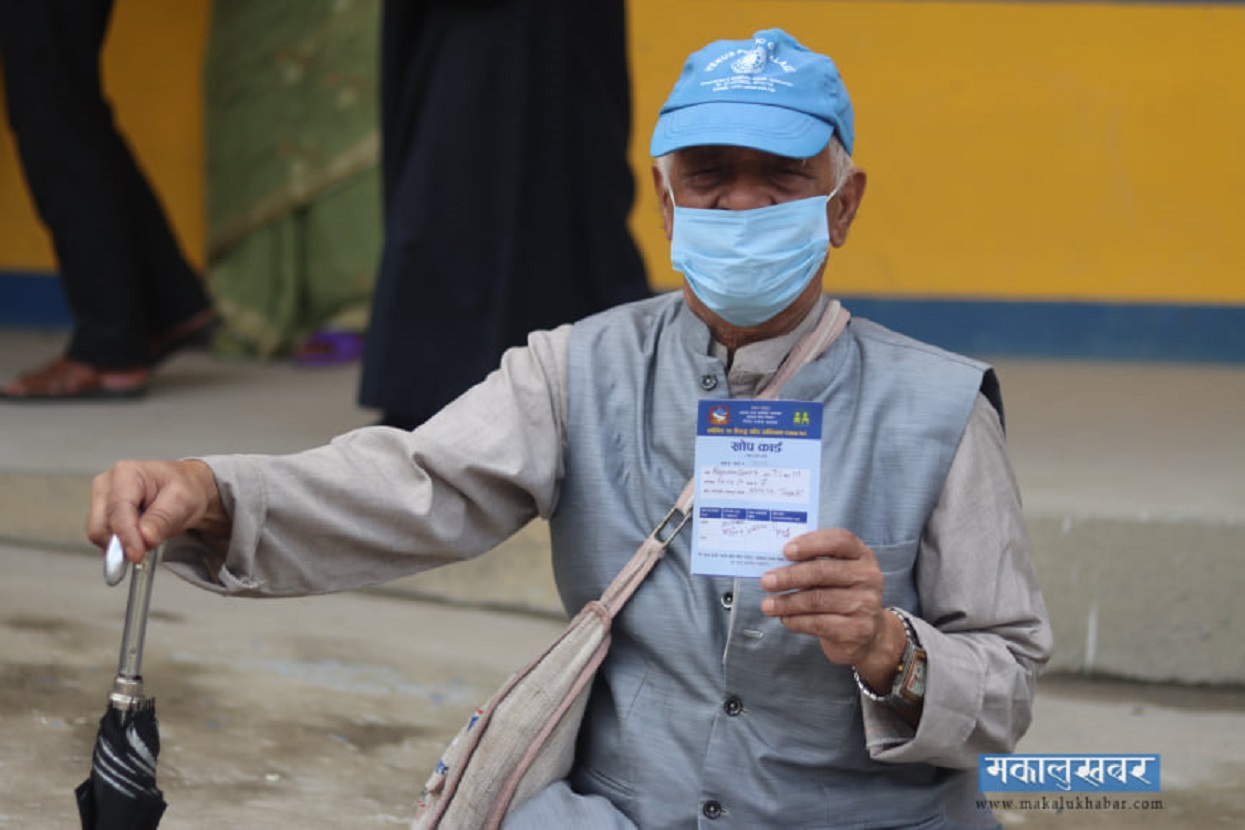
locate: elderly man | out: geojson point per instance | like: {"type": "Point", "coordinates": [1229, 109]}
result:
{"type": "Point", "coordinates": [854, 686]}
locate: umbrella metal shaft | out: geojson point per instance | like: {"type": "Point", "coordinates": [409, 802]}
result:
{"type": "Point", "coordinates": [127, 690]}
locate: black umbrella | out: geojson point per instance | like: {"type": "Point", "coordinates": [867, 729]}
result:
{"type": "Point", "coordinates": [121, 793]}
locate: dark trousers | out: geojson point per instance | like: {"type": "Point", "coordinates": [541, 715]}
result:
{"type": "Point", "coordinates": [504, 129]}
{"type": "Point", "coordinates": [123, 273]}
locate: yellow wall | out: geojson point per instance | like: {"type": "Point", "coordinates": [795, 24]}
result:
{"type": "Point", "coordinates": [153, 58]}
{"type": "Point", "coordinates": [1015, 150]}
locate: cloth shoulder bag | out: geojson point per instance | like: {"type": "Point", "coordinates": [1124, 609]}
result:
{"type": "Point", "coordinates": [523, 738]}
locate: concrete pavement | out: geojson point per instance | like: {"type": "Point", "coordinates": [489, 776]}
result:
{"type": "Point", "coordinates": [306, 714]}
{"type": "Point", "coordinates": [328, 711]}
{"type": "Point", "coordinates": [1133, 477]}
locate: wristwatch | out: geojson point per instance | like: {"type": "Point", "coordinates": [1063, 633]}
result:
{"type": "Point", "coordinates": [908, 690]}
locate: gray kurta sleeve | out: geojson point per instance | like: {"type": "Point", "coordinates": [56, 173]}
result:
{"type": "Point", "coordinates": [983, 621]}
{"type": "Point", "coordinates": [379, 503]}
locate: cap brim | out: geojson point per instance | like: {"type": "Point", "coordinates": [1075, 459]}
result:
{"type": "Point", "coordinates": [762, 127]}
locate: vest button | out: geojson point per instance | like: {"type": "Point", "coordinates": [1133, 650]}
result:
{"type": "Point", "coordinates": [733, 706]}
{"type": "Point", "coordinates": [708, 382]}
{"type": "Point", "coordinates": [728, 599]}
{"type": "Point", "coordinates": [711, 809]}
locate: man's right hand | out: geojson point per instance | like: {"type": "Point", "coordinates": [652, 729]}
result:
{"type": "Point", "coordinates": [146, 502]}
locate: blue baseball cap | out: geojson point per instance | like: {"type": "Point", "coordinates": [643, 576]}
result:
{"type": "Point", "coordinates": [768, 93]}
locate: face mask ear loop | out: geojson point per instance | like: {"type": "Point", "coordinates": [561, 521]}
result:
{"type": "Point", "coordinates": [847, 174]}
{"type": "Point", "coordinates": [836, 190]}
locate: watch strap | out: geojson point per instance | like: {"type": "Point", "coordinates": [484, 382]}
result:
{"type": "Point", "coordinates": [908, 689]}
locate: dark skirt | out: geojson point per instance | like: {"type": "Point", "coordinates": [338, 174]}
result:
{"type": "Point", "coordinates": [506, 187]}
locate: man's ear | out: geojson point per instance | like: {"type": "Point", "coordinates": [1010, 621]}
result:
{"type": "Point", "coordinates": [663, 200]}
{"type": "Point", "coordinates": [842, 211]}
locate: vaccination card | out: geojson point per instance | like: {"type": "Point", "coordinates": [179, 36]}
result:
{"type": "Point", "coordinates": [758, 479]}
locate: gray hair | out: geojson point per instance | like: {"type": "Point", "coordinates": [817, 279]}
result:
{"type": "Point", "coordinates": [840, 162]}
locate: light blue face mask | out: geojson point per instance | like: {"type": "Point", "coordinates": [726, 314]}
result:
{"type": "Point", "coordinates": [748, 265]}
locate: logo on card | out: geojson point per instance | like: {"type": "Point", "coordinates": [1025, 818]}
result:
{"type": "Point", "coordinates": [719, 415]}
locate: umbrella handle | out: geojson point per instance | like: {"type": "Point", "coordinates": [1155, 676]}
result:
{"type": "Point", "coordinates": [127, 690]}
{"type": "Point", "coordinates": [114, 562]}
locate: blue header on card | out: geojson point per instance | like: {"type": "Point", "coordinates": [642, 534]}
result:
{"type": "Point", "coordinates": [759, 419]}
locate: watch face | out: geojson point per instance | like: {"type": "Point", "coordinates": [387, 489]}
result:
{"type": "Point", "coordinates": [914, 685]}
{"type": "Point", "coordinates": [916, 680]}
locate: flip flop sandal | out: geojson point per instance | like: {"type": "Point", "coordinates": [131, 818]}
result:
{"type": "Point", "coordinates": [69, 380]}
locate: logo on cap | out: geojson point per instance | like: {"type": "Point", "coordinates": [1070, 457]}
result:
{"type": "Point", "coordinates": [748, 70]}
{"type": "Point", "coordinates": [753, 61]}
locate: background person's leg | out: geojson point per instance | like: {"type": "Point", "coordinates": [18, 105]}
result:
{"type": "Point", "coordinates": [507, 189]}
{"type": "Point", "coordinates": [123, 274]}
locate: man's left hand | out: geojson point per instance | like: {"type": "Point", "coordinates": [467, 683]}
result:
{"type": "Point", "coordinates": [833, 591]}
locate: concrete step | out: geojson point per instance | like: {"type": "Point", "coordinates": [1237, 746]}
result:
{"type": "Point", "coordinates": [1133, 477]}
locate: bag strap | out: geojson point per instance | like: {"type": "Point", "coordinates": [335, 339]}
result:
{"type": "Point", "coordinates": [817, 340]}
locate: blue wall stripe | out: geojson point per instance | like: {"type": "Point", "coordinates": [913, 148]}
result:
{"type": "Point", "coordinates": [1115, 331]}
{"type": "Point", "coordinates": [1109, 331]}
{"type": "Point", "coordinates": [32, 299]}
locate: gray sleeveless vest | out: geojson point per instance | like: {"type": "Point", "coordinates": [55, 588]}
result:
{"type": "Point", "coordinates": [704, 706]}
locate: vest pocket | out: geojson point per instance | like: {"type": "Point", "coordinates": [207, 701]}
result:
{"type": "Point", "coordinates": [897, 562]}
{"type": "Point", "coordinates": [592, 781]}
